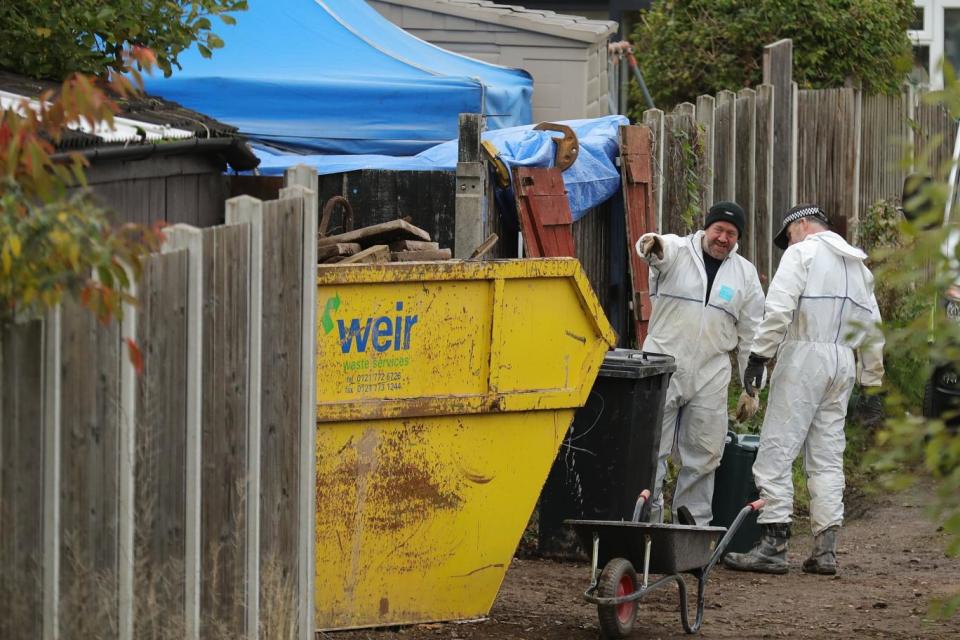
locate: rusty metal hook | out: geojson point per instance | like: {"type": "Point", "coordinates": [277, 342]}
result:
{"type": "Point", "coordinates": [568, 147]}
{"type": "Point", "coordinates": [328, 211]}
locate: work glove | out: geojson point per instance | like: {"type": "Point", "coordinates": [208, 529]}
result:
{"type": "Point", "coordinates": [747, 407]}
{"type": "Point", "coordinates": [650, 244]}
{"type": "Point", "coordinates": [754, 374]}
{"type": "Point", "coordinates": [871, 409]}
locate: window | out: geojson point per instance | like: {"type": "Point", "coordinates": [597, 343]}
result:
{"type": "Point", "coordinates": [951, 37]}
{"type": "Point", "coordinates": [918, 17]}
{"type": "Point", "coordinates": [920, 74]}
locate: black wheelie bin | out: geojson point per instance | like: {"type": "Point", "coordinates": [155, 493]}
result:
{"type": "Point", "coordinates": [610, 453]}
{"type": "Point", "coordinates": [734, 487]}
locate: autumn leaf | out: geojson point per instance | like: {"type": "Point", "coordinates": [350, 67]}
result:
{"type": "Point", "coordinates": [136, 357]}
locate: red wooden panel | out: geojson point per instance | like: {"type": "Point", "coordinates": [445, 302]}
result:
{"type": "Point", "coordinates": [545, 217]}
{"type": "Point", "coordinates": [637, 175]}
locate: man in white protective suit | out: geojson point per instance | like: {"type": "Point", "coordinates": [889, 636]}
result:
{"type": "Point", "coordinates": [707, 301]}
{"type": "Point", "coordinates": [820, 308]}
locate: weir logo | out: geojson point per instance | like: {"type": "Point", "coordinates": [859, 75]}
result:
{"type": "Point", "coordinates": [329, 307]}
{"type": "Point", "coordinates": [383, 333]}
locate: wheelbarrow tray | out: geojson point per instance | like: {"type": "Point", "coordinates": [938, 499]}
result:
{"type": "Point", "coordinates": [674, 548]}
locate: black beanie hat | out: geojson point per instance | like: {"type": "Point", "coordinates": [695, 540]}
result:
{"type": "Point", "coordinates": [727, 212]}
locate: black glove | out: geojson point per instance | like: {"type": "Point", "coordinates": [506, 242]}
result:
{"type": "Point", "coordinates": [753, 376]}
{"type": "Point", "coordinates": [871, 409]}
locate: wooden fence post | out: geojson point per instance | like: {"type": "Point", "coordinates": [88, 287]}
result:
{"type": "Point", "coordinates": [679, 141]}
{"type": "Point", "coordinates": [745, 173]}
{"type": "Point", "coordinates": [308, 407]}
{"type": "Point", "coordinates": [51, 474]}
{"type": "Point", "coordinates": [854, 184]}
{"type": "Point", "coordinates": [22, 480]}
{"type": "Point", "coordinates": [190, 239]}
{"type": "Point", "coordinates": [126, 471]}
{"type": "Point", "coordinates": [470, 201]}
{"type": "Point", "coordinates": [706, 108]}
{"type": "Point", "coordinates": [778, 71]}
{"type": "Point", "coordinates": [653, 118]}
{"type": "Point", "coordinates": [725, 147]}
{"type": "Point", "coordinates": [763, 172]}
{"type": "Point", "coordinates": [248, 210]}
{"type": "Point", "coordinates": [304, 176]}
{"type": "Point", "coordinates": [911, 107]}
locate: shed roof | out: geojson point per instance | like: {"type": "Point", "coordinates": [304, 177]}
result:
{"type": "Point", "coordinates": [535, 20]}
{"type": "Point", "coordinates": [142, 119]}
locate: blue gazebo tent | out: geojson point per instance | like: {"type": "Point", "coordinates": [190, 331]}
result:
{"type": "Point", "coordinates": [333, 76]}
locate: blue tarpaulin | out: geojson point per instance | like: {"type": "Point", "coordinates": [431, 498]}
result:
{"type": "Point", "coordinates": [592, 179]}
{"type": "Point", "coordinates": [333, 76]}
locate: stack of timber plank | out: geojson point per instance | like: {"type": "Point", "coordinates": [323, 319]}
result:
{"type": "Point", "coordinates": [396, 241]}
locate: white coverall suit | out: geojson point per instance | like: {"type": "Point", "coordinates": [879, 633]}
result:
{"type": "Point", "coordinates": [820, 307]}
{"type": "Point", "coordinates": [700, 337]}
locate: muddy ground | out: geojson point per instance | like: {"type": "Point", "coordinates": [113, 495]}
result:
{"type": "Point", "coordinates": [892, 566]}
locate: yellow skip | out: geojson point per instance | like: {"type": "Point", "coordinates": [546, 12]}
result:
{"type": "Point", "coordinates": [444, 390]}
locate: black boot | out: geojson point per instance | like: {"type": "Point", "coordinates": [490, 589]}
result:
{"type": "Point", "coordinates": [823, 558]}
{"type": "Point", "coordinates": [767, 556]}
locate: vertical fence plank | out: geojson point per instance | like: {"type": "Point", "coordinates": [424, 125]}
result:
{"type": "Point", "coordinates": [280, 426]}
{"type": "Point", "coordinates": [680, 160]}
{"type": "Point", "coordinates": [763, 175]}
{"type": "Point", "coordinates": [90, 482]}
{"type": "Point", "coordinates": [308, 404]}
{"type": "Point", "coordinates": [51, 474]}
{"type": "Point", "coordinates": [225, 398]}
{"type": "Point", "coordinates": [778, 72]}
{"type": "Point", "coordinates": [21, 481]}
{"type": "Point", "coordinates": [190, 239]}
{"type": "Point", "coordinates": [126, 474]}
{"type": "Point", "coordinates": [653, 118]}
{"type": "Point", "coordinates": [725, 147]}
{"type": "Point", "coordinates": [161, 434]}
{"type": "Point", "coordinates": [706, 108]}
{"type": "Point", "coordinates": [249, 211]}
{"type": "Point", "coordinates": [853, 181]}
{"type": "Point", "coordinates": [745, 173]}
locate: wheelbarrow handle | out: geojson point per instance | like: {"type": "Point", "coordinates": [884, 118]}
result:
{"type": "Point", "coordinates": [756, 505]}
{"type": "Point", "coordinates": [642, 499]}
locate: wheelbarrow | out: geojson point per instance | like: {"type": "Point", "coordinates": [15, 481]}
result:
{"type": "Point", "coordinates": [622, 548]}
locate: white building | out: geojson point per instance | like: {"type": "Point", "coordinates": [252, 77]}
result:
{"type": "Point", "coordinates": [935, 32]}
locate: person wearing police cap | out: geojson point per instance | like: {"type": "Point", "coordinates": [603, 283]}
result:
{"type": "Point", "coordinates": [706, 302]}
{"type": "Point", "coordinates": [820, 310]}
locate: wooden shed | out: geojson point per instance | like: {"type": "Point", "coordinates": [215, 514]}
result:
{"type": "Point", "coordinates": [161, 162]}
{"type": "Point", "coordinates": [566, 55]}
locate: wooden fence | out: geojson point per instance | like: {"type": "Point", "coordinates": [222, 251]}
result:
{"type": "Point", "coordinates": [178, 502]}
{"type": "Point", "coordinates": [774, 146]}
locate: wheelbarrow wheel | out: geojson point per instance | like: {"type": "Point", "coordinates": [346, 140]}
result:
{"type": "Point", "coordinates": [618, 578]}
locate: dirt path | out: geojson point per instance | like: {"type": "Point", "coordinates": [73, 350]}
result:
{"type": "Point", "coordinates": [892, 565]}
